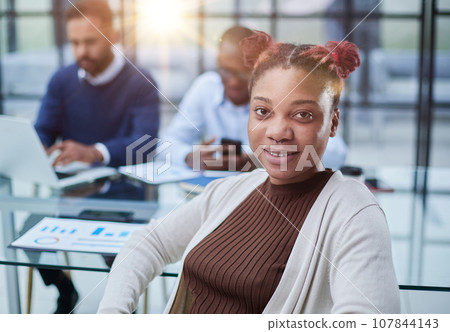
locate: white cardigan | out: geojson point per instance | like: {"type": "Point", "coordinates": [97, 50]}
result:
{"type": "Point", "coordinates": [341, 261]}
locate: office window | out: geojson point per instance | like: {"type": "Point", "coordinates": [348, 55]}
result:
{"type": "Point", "coordinates": [381, 136]}
{"type": "Point", "coordinates": [170, 56]}
{"type": "Point", "coordinates": [303, 30]}
{"type": "Point", "coordinates": [440, 142]}
{"type": "Point", "coordinates": [214, 27]}
{"type": "Point", "coordinates": [293, 7]}
{"type": "Point", "coordinates": [28, 54]}
{"type": "Point", "coordinates": [3, 35]}
{"type": "Point", "coordinates": [394, 67]}
{"type": "Point", "coordinates": [166, 44]}
{"type": "Point", "coordinates": [255, 7]}
{"type": "Point", "coordinates": [401, 6]}
{"type": "Point", "coordinates": [383, 133]}
{"type": "Point", "coordinates": [34, 34]}
{"type": "Point", "coordinates": [437, 223]}
{"type": "Point", "coordinates": [35, 5]}
{"type": "Point", "coordinates": [262, 24]}
{"type": "Point", "coordinates": [442, 61]}
{"type": "Point", "coordinates": [443, 5]}
{"type": "Point", "coordinates": [406, 34]}
{"type": "Point", "coordinates": [35, 58]}
{"type": "Point", "coordinates": [226, 7]}
{"type": "Point", "coordinates": [440, 152]}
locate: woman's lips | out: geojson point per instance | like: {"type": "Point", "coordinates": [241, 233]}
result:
{"type": "Point", "coordinates": [279, 157]}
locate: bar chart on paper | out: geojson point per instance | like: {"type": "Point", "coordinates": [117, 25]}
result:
{"type": "Point", "coordinates": [60, 234]}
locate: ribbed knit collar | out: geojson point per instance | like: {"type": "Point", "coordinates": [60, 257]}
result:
{"type": "Point", "coordinates": [318, 180]}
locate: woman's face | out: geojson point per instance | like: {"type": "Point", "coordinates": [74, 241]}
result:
{"type": "Point", "coordinates": [288, 118]}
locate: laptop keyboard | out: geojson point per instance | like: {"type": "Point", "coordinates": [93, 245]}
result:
{"type": "Point", "coordinates": [63, 175]}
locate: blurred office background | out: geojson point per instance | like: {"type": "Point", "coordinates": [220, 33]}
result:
{"type": "Point", "coordinates": [395, 111]}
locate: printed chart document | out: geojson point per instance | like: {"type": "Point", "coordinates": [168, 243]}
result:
{"type": "Point", "coordinates": [60, 234]}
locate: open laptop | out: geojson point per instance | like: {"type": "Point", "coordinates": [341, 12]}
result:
{"type": "Point", "coordinates": [23, 156]}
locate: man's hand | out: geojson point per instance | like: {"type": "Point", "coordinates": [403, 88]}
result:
{"type": "Point", "coordinates": [228, 161]}
{"type": "Point", "coordinates": [74, 151]}
{"type": "Point", "coordinates": [205, 152]}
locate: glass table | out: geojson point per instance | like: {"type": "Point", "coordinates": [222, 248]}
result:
{"type": "Point", "coordinates": [22, 205]}
{"type": "Point", "coordinates": [418, 221]}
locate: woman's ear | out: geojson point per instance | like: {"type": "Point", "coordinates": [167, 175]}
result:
{"type": "Point", "coordinates": [334, 122]}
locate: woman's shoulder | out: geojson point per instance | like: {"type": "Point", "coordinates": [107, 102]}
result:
{"type": "Point", "coordinates": [351, 189]}
{"type": "Point", "coordinates": [347, 195]}
{"type": "Point", "coordinates": [349, 202]}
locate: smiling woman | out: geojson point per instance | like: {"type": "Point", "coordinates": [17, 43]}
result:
{"type": "Point", "coordinates": [288, 119]}
{"type": "Point", "coordinates": [294, 238]}
{"type": "Point", "coordinates": [294, 104]}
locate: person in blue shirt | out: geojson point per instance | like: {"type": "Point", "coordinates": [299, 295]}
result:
{"type": "Point", "coordinates": [95, 107]}
{"type": "Point", "coordinates": [216, 107]}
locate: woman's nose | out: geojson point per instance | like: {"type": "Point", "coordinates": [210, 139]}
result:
{"type": "Point", "coordinates": [279, 130]}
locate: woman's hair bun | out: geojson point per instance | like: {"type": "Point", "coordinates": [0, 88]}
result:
{"type": "Point", "coordinates": [345, 56]}
{"type": "Point", "coordinates": [253, 46]}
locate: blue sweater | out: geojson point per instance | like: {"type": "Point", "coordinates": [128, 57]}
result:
{"type": "Point", "coordinates": [115, 114]}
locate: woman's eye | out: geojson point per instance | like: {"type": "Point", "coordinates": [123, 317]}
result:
{"type": "Point", "coordinates": [304, 115]}
{"type": "Point", "coordinates": [261, 112]}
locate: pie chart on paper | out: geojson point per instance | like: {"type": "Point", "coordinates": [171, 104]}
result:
{"type": "Point", "coordinates": [46, 240]}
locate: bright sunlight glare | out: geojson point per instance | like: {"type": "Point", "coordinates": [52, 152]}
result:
{"type": "Point", "coordinates": [161, 16]}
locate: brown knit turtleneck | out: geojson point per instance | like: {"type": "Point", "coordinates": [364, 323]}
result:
{"type": "Point", "coordinates": [237, 268]}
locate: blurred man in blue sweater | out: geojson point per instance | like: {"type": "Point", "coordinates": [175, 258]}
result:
{"type": "Point", "coordinates": [95, 107]}
{"type": "Point", "coordinates": [101, 104]}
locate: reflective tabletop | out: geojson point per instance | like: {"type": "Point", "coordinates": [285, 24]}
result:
{"type": "Point", "coordinates": [23, 204]}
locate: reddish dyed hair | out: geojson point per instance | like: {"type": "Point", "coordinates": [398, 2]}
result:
{"type": "Point", "coordinates": [333, 62]}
